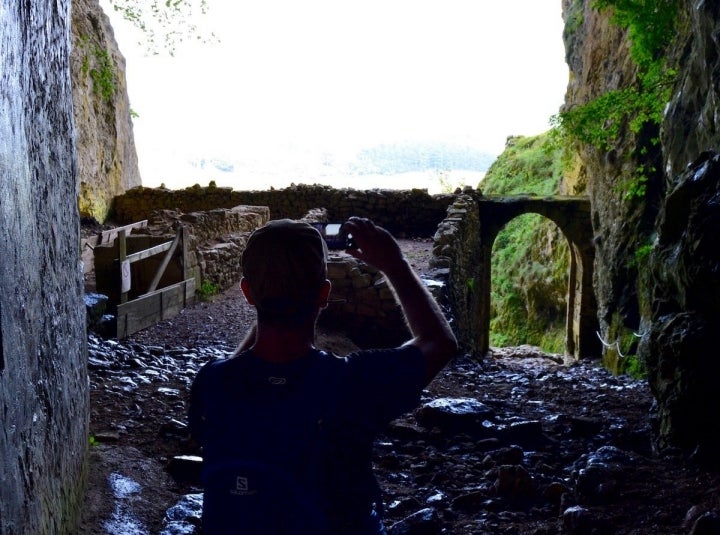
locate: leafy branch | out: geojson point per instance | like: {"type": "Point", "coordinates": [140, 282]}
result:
{"type": "Point", "coordinates": [164, 24]}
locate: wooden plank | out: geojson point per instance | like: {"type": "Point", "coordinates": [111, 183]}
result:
{"type": "Point", "coordinates": [165, 261]}
{"type": "Point", "coordinates": [87, 245]}
{"type": "Point", "coordinates": [156, 306]}
{"type": "Point", "coordinates": [124, 273]}
{"type": "Point", "coordinates": [147, 253]}
{"type": "Point", "coordinates": [110, 235]}
{"type": "Point", "coordinates": [87, 253]}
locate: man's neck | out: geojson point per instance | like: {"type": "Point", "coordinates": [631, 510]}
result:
{"type": "Point", "coordinates": [280, 346]}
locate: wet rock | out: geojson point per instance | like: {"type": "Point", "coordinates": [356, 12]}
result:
{"type": "Point", "coordinates": [423, 522]}
{"type": "Point", "coordinates": [185, 517]}
{"type": "Point", "coordinates": [602, 472]}
{"type": "Point", "coordinates": [528, 433]}
{"type": "Point", "coordinates": [402, 507]}
{"type": "Point", "coordinates": [106, 436]}
{"type": "Point", "coordinates": [577, 520]}
{"type": "Point", "coordinates": [95, 305]}
{"type": "Point", "coordinates": [471, 501]}
{"type": "Point", "coordinates": [584, 426]}
{"type": "Point", "coordinates": [555, 491]}
{"type": "Point", "coordinates": [509, 455]}
{"type": "Point", "coordinates": [186, 468]}
{"type": "Point", "coordinates": [176, 428]}
{"type": "Point", "coordinates": [514, 482]}
{"type": "Point", "coordinates": [706, 524]}
{"type": "Point", "coordinates": [455, 415]}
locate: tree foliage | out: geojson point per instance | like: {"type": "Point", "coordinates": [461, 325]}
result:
{"type": "Point", "coordinates": [164, 24]}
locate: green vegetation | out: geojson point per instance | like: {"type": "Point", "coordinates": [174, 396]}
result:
{"type": "Point", "coordinates": [634, 367]}
{"type": "Point", "coordinates": [600, 122]}
{"type": "Point", "coordinates": [641, 255]}
{"type": "Point", "coordinates": [530, 260]}
{"type": "Point", "coordinates": [573, 17]}
{"type": "Point", "coordinates": [650, 28]}
{"type": "Point", "coordinates": [98, 64]}
{"type": "Point", "coordinates": [527, 165]}
{"type": "Point", "coordinates": [207, 290]}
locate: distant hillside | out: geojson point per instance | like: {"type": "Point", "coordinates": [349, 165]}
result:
{"type": "Point", "coordinates": [408, 157]}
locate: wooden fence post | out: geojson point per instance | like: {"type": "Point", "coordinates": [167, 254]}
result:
{"type": "Point", "coordinates": [124, 267]}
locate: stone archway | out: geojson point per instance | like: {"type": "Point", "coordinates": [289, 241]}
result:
{"type": "Point", "coordinates": [572, 216]}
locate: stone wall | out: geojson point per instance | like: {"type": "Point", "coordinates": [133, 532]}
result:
{"type": "Point", "coordinates": [43, 355]}
{"type": "Point", "coordinates": [655, 264]}
{"type": "Point", "coordinates": [405, 213]}
{"type": "Point", "coordinates": [456, 251]}
{"type": "Point", "coordinates": [362, 304]}
{"type": "Point", "coordinates": [598, 55]}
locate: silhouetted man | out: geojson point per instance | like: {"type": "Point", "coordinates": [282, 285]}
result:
{"type": "Point", "coordinates": [286, 429]}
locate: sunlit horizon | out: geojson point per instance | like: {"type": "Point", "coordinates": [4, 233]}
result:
{"type": "Point", "coordinates": [292, 91]}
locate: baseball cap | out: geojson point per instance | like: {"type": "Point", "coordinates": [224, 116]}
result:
{"type": "Point", "coordinates": [285, 264]}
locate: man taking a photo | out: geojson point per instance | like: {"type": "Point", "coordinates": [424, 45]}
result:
{"type": "Point", "coordinates": [287, 430]}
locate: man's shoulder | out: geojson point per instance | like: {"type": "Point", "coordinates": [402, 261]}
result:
{"type": "Point", "coordinates": [384, 356]}
{"type": "Point", "coordinates": [215, 369]}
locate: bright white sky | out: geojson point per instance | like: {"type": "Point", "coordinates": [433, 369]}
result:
{"type": "Point", "coordinates": [292, 82]}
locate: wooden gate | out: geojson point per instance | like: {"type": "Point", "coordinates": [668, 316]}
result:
{"type": "Point", "coordinates": [153, 304]}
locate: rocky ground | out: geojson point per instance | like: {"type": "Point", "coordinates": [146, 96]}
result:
{"type": "Point", "coordinates": [518, 443]}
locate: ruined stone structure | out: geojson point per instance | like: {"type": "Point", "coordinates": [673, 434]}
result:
{"type": "Point", "coordinates": [406, 213]}
{"type": "Point", "coordinates": [462, 251]}
{"type": "Point", "coordinates": [43, 375]}
{"type": "Point", "coordinates": [464, 244]}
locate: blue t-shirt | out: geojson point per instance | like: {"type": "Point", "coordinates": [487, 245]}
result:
{"type": "Point", "coordinates": [305, 427]}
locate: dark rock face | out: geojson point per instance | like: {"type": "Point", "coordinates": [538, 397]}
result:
{"type": "Point", "coordinates": [672, 301]}
{"type": "Point", "coordinates": [685, 296]}
{"type": "Point", "coordinates": [43, 375]}
{"type": "Point", "coordinates": [690, 125]}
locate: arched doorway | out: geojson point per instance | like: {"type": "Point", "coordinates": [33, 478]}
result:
{"type": "Point", "coordinates": [572, 216]}
{"type": "Point", "coordinates": [530, 265]}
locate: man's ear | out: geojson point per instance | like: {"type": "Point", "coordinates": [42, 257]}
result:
{"type": "Point", "coordinates": [246, 291]}
{"type": "Point", "coordinates": [324, 293]}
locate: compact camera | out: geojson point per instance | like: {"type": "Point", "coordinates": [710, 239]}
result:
{"type": "Point", "coordinates": [334, 235]}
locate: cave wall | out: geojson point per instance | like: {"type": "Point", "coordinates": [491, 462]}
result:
{"type": "Point", "coordinates": [683, 282]}
{"type": "Point", "coordinates": [107, 158]}
{"type": "Point", "coordinates": [665, 308]}
{"type": "Point", "coordinates": [43, 376]}
{"type": "Point", "coordinates": [598, 55]}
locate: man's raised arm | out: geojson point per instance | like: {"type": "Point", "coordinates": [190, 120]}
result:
{"type": "Point", "coordinates": [431, 332]}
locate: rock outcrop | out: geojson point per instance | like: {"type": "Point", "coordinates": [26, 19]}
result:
{"type": "Point", "coordinates": [43, 345]}
{"type": "Point", "coordinates": [684, 292]}
{"type": "Point", "coordinates": [655, 272]}
{"type": "Point", "coordinates": [107, 160]}
{"type": "Point", "coordinates": [598, 54]}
